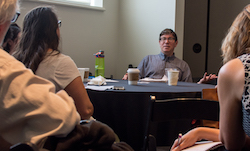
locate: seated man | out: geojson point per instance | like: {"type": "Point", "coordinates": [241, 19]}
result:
{"type": "Point", "coordinates": [153, 66]}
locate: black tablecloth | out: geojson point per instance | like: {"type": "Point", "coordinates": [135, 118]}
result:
{"type": "Point", "coordinates": [125, 111]}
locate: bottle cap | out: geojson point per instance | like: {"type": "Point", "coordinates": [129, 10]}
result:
{"type": "Point", "coordinates": [101, 52]}
{"type": "Point", "coordinates": [101, 56]}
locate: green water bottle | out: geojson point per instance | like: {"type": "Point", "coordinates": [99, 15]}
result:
{"type": "Point", "coordinates": [99, 64]}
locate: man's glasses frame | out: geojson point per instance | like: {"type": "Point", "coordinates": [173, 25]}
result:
{"type": "Point", "coordinates": [170, 39]}
{"type": "Point", "coordinates": [14, 19]}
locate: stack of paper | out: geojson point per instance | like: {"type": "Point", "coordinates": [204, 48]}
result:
{"type": "Point", "coordinates": [204, 146]}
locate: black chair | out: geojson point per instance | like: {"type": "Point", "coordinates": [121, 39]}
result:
{"type": "Point", "coordinates": [176, 109]}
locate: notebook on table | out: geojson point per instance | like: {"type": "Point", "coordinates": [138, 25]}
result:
{"type": "Point", "coordinates": [204, 146]}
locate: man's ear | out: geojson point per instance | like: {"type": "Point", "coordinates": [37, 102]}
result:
{"type": "Point", "coordinates": [176, 42]}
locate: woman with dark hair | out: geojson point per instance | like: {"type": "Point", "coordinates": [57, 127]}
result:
{"type": "Point", "coordinates": [38, 50]}
{"type": "Point", "coordinates": [11, 38]}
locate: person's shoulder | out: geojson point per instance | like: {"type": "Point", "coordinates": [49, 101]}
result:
{"type": "Point", "coordinates": [181, 61]}
{"type": "Point", "coordinates": [61, 55]}
{"type": "Point", "coordinates": [65, 58]}
{"type": "Point", "coordinates": [151, 56]}
{"type": "Point", "coordinates": [232, 66]}
{"type": "Point", "coordinates": [178, 59]}
{"type": "Point", "coordinates": [56, 54]}
{"type": "Point", "coordinates": [4, 54]}
{"type": "Point", "coordinates": [231, 79]}
{"type": "Point", "coordinates": [6, 57]}
{"type": "Point", "coordinates": [56, 58]}
{"type": "Point", "coordinates": [233, 70]}
{"type": "Point", "coordinates": [59, 61]}
{"type": "Point", "coordinates": [148, 56]}
{"type": "Point", "coordinates": [67, 62]}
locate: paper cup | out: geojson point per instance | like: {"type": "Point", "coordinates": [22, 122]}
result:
{"type": "Point", "coordinates": [173, 76]}
{"type": "Point", "coordinates": [84, 72]}
{"type": "Point", "coordinates": [133, 76]}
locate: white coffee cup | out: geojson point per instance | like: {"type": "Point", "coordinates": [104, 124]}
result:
{"type": "Point", "coordinates": [84, 72]}
{"type": "Point", "coordinates": [173, 76]}
{"type": "Point", "coordinates": [133, 76]}
{"type": "Point", "coordinates": [166, 71]}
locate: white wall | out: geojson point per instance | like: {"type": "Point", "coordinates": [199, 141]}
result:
{"type": "Point", "coordinates": [127, 31]}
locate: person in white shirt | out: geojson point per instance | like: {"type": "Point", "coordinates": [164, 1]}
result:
{"type": "Point", "coordinates": [29, 108]}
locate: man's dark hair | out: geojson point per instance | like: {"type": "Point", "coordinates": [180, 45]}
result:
{"type": "Point", "coordinates": [168, 31]}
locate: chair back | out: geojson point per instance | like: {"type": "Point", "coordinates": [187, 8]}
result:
{"type": "Point", "coordinates": [184, 108]}
{"type": "Point", "coordinates": [180, 108]}
{"type": "Point", "coordinates": [211, 94]}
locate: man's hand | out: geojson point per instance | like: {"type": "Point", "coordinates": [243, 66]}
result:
{"type": "Point", "coordinates": [207, 78]}
{"type": "Point", "coordinates": [125, 77]}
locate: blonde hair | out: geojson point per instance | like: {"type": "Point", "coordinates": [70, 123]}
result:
{"type": "Point", "coordinates": [7, 9]}
{"type": "Point", "coordinates": [237, 40]}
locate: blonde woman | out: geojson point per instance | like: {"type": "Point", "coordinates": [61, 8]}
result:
{"type": "Point", "coordinates": [233, 91]}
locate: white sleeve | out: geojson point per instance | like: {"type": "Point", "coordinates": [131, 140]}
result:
{"type": "Point", "coordinates": [29, 108]}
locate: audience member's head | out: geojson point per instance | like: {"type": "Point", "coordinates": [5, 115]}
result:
{"type": "Point", "coordinates": [8, 14]}
{"type": "Point", "coordinates": [11, 38]}
{"type": "Point", "coordinates": [237, 41]}
{"type": "Point", "coordinates": [40, 33]}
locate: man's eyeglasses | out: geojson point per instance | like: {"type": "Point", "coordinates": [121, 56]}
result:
{"type": "Point", "coordinates": [59, 23]}
{"type": "Point", "coordinates": [14, 19]}
{"type": "Point", "coordinates": [170, 39]}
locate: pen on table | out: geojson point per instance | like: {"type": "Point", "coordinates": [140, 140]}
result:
{"type": "Point", "coordinates": [179, 139]}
